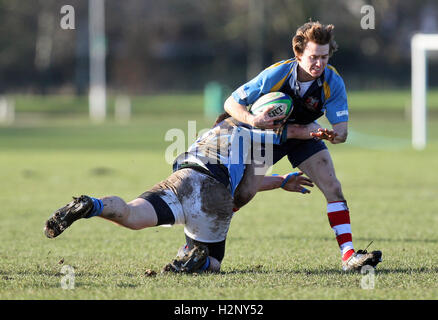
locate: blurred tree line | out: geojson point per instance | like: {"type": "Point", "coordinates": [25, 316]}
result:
{"type": "Point", "coordinates": [180, 45]}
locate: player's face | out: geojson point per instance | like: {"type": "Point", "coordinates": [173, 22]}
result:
{"type": "Point", "coordinates": [313, 60]}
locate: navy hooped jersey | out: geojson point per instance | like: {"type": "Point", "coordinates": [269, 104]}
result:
{"type": "Point", "coordinates": [326, 95]}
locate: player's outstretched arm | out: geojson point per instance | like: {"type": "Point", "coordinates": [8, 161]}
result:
{"type": "Point", "coordinates": [293, 182]}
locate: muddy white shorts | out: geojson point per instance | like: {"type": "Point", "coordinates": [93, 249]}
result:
{"type": "Point", "coordinates": [198, 201]}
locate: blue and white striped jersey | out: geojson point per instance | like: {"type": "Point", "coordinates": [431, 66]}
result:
{"type": "Point", "coordinates": [326, 95]}
{"type": "Point", "coordinates": [226, 149]}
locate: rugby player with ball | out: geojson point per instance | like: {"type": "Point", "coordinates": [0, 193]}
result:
{"type": "Point", "coordinates": [316, 88]}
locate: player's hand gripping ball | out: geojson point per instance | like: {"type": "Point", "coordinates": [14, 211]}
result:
{"type": "Point", "coordinates": [279, 103]}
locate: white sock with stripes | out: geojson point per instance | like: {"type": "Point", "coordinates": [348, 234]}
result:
{"type": "Point", "coordinates": [339, 219]}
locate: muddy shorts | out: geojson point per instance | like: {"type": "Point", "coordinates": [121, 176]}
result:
{"type": "Point", "coordinates": [198, 201]}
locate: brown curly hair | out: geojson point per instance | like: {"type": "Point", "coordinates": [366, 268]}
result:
{"type": "Point", "coordinates": [315, 32]}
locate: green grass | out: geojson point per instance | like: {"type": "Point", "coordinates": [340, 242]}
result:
{"type": "Point", "coordinates": [392, 100]}
{"type": "Point", "coordinates": [280, 246]}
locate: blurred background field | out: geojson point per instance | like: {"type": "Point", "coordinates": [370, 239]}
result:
{"type": "Point", "coordinates": [362, 101]}
{"type": "Point", "coordinates": [162, 56]}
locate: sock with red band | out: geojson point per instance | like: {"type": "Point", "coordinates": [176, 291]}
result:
{"type": "Point", "coordinates": [339, 219]}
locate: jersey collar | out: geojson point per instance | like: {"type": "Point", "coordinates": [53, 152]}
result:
{"type": "Point", "coordinates": [293, 80]}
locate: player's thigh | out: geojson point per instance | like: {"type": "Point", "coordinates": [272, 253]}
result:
{"type": "Point", "coordinates": [163, 199]}
{"type": "Point", "coordinates": [142, 214]}
{"type": "Point", "coordinates": [207, 205]}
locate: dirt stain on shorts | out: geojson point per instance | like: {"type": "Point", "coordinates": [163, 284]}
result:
{"type": "Point", "coordinates": [216, 202]}
{"type": "Point", "coordinates": [207, 203]}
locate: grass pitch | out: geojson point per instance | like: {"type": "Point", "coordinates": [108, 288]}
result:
{"type": "Point", "coordinates": [280, 246]}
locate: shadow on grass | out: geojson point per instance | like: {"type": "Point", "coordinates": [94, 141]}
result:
{"type": "Point", "coordinates": [396, 240]}
{"type": "Point", "coordinates": [376, 240]}
{"type": "Point", "coordinates": [406, 271]}
{"type": "Point", "coordinates": [50, 279]}
{"type": "Point", "coordinates": [52, 273]}
{"type": "Point", "coordinates": [320, 272]}
{"type": "Point", "coordinates": [255, 270]}
{"type": "Point", "coordinates": [283, 272]}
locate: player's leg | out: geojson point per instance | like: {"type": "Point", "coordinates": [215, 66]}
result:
{"type": "Point", "coordinates": [319, 167]}
{"type": "Point", "coordinates": [208, 209]}
{"type": "Point", "coordinates": [313, 158]}
{"type": "Point", "coordinates": [155, 207]}
{"type": "Point", "coordinates": [136, 214]}
{"type": "Point", "coordinates": [81, 207]}
{"type": "Point", "coordinates": [216, 253]}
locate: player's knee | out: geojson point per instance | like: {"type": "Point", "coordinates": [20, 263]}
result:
{"type": "Point", "coordinates": [116, 205]}
{"type": "Point", "coordinates": [333, 190]}
{"type": "Point", "coordinates": [132, 218]}
{"type": "Point", "coordinates": [337, 188]}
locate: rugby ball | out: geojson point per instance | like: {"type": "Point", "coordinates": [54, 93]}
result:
{"type": "Point", "coordinates": [281, 101]}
